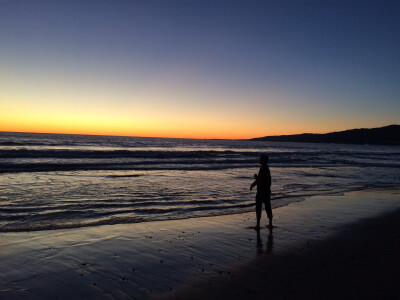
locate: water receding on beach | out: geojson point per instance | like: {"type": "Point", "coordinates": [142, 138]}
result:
{"type": "Point", "coordinates": [65, 181]}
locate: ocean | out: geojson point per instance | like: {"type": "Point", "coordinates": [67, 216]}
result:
{"type": "Point", "coordinates": [52, 181]}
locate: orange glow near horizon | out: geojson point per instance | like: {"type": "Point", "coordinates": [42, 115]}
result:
{"type": "Point", "coordinates": [168, 106]}
{"type": "Point", "coordinates": [146, 129]}
{"type": "Point", "coordinates": [115, 127]}
{"type": "Point", "coordinates": [214, 125]}
{"type": "Point", "coordinates": [167, 113]}
{"type": "Point", "coordinates": [124, 125]}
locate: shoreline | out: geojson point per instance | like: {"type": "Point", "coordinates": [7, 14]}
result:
{"type": "Point", "coordinates": [359, 260]}
{"type": "Point", "coordinates": [165, 258]}
{"type": "Point", "coordinates": [274, 204]}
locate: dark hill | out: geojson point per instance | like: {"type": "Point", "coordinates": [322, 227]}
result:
{"type": "Point", "coordinates": [388, 135]}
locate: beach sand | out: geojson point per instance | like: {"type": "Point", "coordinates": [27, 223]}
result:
{"type": "Point", "coordinates": [326, 247]}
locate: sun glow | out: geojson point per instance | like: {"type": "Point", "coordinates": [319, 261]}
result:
{"type": "Point", "coordinates": [159, 108]}
{"type": "Point", "coordinates": [181, 105]}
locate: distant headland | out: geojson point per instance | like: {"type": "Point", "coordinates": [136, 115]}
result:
{"type": "Point", "coordinates": [388, 135]}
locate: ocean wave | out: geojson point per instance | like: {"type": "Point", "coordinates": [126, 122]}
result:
{"type": "Point", "coordinates": [170, 154]}
{"type": "Point", "coordinates": [128, 216]}
{"type": "Point", "coordinates": [84, 217]}
{"type": "Point", "coordinates": [188, 166]}
{"type": "Point", "coordinates": [53, 160]}
{"type": "Point", "coordinates": [173, 166]}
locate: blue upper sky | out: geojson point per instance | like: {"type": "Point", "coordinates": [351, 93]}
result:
{"type": "Point", "coordinates": [264, 67]}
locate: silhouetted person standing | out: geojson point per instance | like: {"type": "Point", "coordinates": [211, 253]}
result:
{"type": "Point", "coordinates": [263, 183]}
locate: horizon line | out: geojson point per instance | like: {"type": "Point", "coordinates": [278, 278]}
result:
{"type": "Point", "coordinates": [185, 138]}
{"type": "Point", "coordinates": [116, 135]}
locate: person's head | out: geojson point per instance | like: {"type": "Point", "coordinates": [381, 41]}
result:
{"type": "Point", "coordinates": [263, 159]}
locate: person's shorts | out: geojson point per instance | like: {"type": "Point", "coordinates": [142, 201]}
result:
{"type": "Point", "coordinates": [264, 197]}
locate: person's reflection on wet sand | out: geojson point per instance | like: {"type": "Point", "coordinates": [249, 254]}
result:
{"type": "Point", "coordinates": [259, 243]}
{"type": "Point", "coordinates": [270, 242]}
{"type": "Point", "coordinates": [269, 246]}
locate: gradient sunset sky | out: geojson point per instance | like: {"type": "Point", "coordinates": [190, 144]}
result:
{"type": "Point", "coordinates": [198, 69]}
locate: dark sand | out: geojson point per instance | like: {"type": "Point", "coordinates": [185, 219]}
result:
{"type": "Point", "coordinates": [361, 261]}
{"type": "Point", "coordinates": [328, 247]}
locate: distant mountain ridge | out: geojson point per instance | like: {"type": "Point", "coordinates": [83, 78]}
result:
{"type": "Point", "coordinates": [387, 135]}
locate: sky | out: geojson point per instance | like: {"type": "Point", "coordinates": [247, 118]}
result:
{"type": "Point", "coordinates": [198, 69]}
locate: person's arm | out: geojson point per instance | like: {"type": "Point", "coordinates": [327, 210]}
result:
{"type": "Point", "coordinates": [269, 179]}
{"type": "Point", "coordinates": [255, 182]}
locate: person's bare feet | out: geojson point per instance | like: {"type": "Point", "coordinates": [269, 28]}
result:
{"type": "Point", "coordinates": [270, 224]}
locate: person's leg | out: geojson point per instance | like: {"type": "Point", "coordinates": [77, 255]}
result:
{"type": "Point", "coordinates": [258, 212]}
{"type": "Point", "coordinates": [258, 215]}
{"type": "Point", "coordinates": [268, 209]}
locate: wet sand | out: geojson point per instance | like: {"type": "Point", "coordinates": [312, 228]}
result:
{"type": "Point", "coordinates": [359, 260]}
{"type": "Point", "coordinates": [323, 247]}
